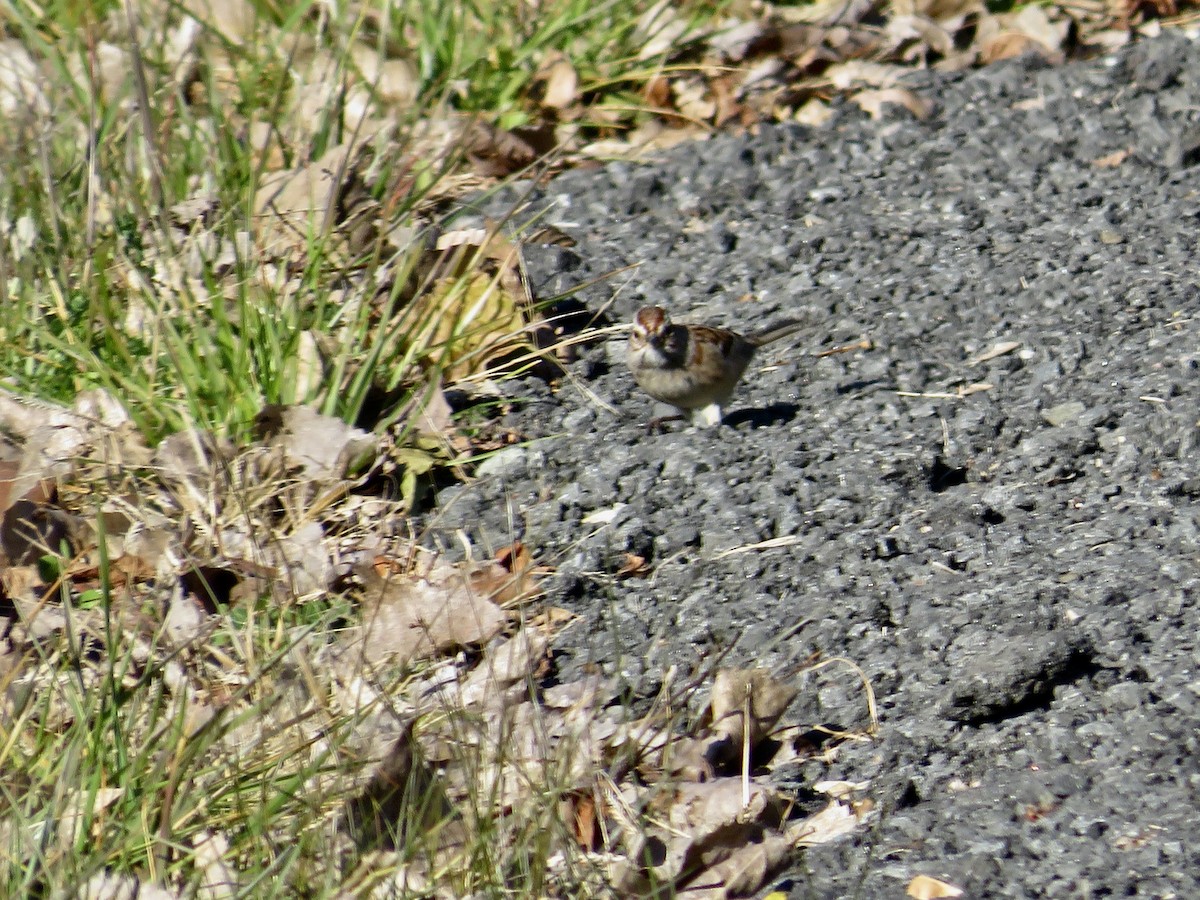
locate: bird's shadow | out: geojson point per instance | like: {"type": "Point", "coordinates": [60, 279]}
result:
{"type": "Point", "coordinates": [775, 414]}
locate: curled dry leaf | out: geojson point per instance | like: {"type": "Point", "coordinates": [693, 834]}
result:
{"type": "Point", "coordinates": [694, 100]}
{"type": "Point", "coordinates": [429, 413]}
{"type": "Point", "coordinates": [736, 691]}
{"type": "Point", "coordinates": [579, 808]}
{"type": "Point", "coordinates": [837, 820]}
{"type": "Point", "coordinates": [184, 620]}
{"type": "Point", "coordinates": [424, 613]}
{"type": "Point", "coordinates": [840, 790]}
{"type": "Point", "coordinates": [915, 37]}
{"type": "Point", "coordinates": [303, 559]}
{"type": "Point", "coordinates": [24, 591]}
{"type": "Point", "coordinates": [192, 458]}
{"type": "Point", "coordinates": [659, 29]}
{"type": "Point", "coordinates": [558, 80]}
{"type": "Point", "coordinates": [8, 480]}
{"type": "Point", "coordinates": [743, 40]}
{"type": "Point", "coordinates": [114, 886]}
{"type": "Point", "coordinates": [1035, 21]}
{"type": "Point", "coordinates": [874, 101]}
{"type": "Point", "coordinates": [51, 440]}
{"type": "Point", "coordinates": [124, 570]}
{"type": "Point", "coordinates": [1114, 159]}
{"type": "Point", "coordinates": [815, 113]}
{"type": "Point", "coordinates": [515, 577]}
{"type": "Point", "coordinates": [478, 312]}
{"type": "Point", "coordinates": [1000, 348]}
{"type": "Point", "coordinates": [496, 152]}
{"type": "Point", "coordinates": [510, 663]}
{"type": "Point", "coordinates": [859, 72]}
{"type": "Point", "coordinates": [321, 447]}
{"type": "Point", "coordinates": [743, 872]}
{"type": "Point", "coordinates": [648, 138]}
{"type": "Point", "coordinates": [657, 92]}
{"type": "Point", "coordinates": [634, 567]}
{"type": "Point", "coordinates": [1009, 45]}
{"type": "Point", "coordinates": [703, 826]}
{"type": "Point", "coordinates": [234, 20]}
{"type": "Point", "coordinates": [393, 80]}
{"type": "Point", "coordinates": [108, 70]}
{"type": "Point", "coordinates": [328, 196]}
{"type": "Point", "coordinates": [1029, 30]}
{"type": "Point", "coordinates": [922, 887]}
{"type": "Point", "coordinates": [496, 734]}
{"type": "Point", "coordinates": [305, 372]}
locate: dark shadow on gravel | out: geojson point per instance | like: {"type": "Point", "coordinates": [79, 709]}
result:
{"type": "Point", "coordinates": [773, 415]}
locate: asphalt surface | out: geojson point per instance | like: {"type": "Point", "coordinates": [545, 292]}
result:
{"type": "Point", "coordinates": [1005, 542]}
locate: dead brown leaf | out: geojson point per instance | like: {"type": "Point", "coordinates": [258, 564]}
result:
{"type": "Point", "coordinates": [234, 20]}
{"type": "Point", "coordinates": [32, 530]}
{"type": "Point", "coordinates": [123, 570]}
{"type": "Point", "coordinates": [693, 99]}
{"type": "Point", "coordinates": [863, 73]}
{"type": "Point", "coordinates": [1114, 159]}
{"type": "Point", "coordinates": [657, 92]}
{"type": "Point", "coordinates": [580, 813]}
{"type": "Point", "coordinates": [429, 611]}
{"type": "Point", "coordinates": [659, 29]}
{"type": "Point", "coordinates": [558, 80]}
{"type": "Point", "coordinates": [634, 567]}
{"type": "Point", "coordinates": [323, 448]}
{"type": "Point", "coordinates": [294, 205]}
{"type": "Point", "coordinates": [738, 692]}
{"type": "Point", "coordinates": [705, 826]}
{"type": "Point", "coordinates": [922, 887]}
{"type": "Point", "coordinates": [743, 872]}
{"type": "Point", "coordinates": [394, 80]}
{"type": "Point", "coordinates": [89, 808]}
{"type": "Point", "coordinates": [874, 101]}
{"type": "Point", "coordinates": [514, 579]}
{"type": "Point", "coordinates": [728, 104]}
{"type": "Point", "coordinates": [479, 309]}
{"type": "Point", "coordinates": [218, 878]}
{"type": "Point", "coordinates": [1029, 31]}
{"type": "Point", "coordinates": [497, 152]}
{"type": "Point", "coordinates": [431, 412]}
{"type": "Point", "coordinates": [192, 458]}
{"type": "Point", "coordinates": [507, 664]}
{"type": "Point", "coordinates": [8, 478]}
{"type": "Point", "coordinates": [1000, 348]}
{"type": "Point", "coordinates": [835, 821]}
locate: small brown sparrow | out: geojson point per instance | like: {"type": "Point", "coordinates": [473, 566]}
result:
{"type": "Point", "coordinates": [695, 368]}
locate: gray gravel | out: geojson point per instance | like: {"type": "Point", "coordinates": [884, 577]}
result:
{"type": "Point", "coordinates": [1015, 569]}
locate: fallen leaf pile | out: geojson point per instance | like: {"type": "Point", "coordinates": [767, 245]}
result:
{"type": "Point", "coordinates": [420, 723]}
{"type": "Point", "coordinates": [649, 807]}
